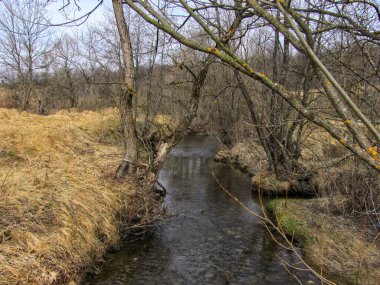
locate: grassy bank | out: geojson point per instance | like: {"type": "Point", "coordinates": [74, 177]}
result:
{"type": "Point", "coordinates": [246, 156]}
{"type": "Point", "coordinates": [333, 244]}
{"type": "Point", "coordinates": [60, 209]}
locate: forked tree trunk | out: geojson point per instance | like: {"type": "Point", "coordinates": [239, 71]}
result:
{"type": "Point", "coordinates": [125, 104]}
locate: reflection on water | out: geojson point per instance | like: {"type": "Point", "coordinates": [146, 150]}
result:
{"type": "Point", "coordinates": [211, 240]}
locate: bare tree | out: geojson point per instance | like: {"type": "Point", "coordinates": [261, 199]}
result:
{"type": "Point", "coordinates": [23, 45]}
{"type": "Point", "coordinates": [67, 50]}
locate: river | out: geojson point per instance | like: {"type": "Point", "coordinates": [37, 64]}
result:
{"type": "Point", "coordinates": [210, 239]}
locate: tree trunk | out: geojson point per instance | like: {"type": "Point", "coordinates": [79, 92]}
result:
{"type": "Point", "coordinates": [282, 161]}
{"type": "Point", "coordinates": [125, 104]}
{"type": "Point", "coordinates": [26, 97]}
{"type": "Point", "coordinates": [255, 118]}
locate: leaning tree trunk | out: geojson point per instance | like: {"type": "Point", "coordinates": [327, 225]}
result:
{"type": "Point", "coordinates": [125, 104]}
{"type": "Point", "coordinates": [181, 129]}
{"type": "Point", "coordinates": [192, 108]}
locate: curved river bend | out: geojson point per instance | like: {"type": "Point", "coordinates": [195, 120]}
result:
{"type": "Point", "coordinates": [210, 240]}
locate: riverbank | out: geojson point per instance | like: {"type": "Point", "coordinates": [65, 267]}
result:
{"type": "Point", "coordinates": [345, 249]}
{"type": "Point", "coordinates": [332, 243]}
{"type": "Point", "coordinates": [61, 209]}
{"type": "Point", "coordinates": [250, 158]}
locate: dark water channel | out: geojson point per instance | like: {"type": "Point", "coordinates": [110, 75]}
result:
{"type": "Point", "coordinates": [210, 240]}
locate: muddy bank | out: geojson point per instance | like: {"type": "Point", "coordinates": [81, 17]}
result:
{"type": "Point", "coordinates": [332, 243]}
{"type": "Point", "coordinates": [60, 208]}
{"type": "Point", "coordinates": [345, 250]}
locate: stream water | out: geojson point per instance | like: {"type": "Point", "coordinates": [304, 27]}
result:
{"type": "Point", "coordinates": [210, 239]}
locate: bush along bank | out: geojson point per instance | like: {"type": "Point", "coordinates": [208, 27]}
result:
{"type": "Point", "coordinates": [61, 209]}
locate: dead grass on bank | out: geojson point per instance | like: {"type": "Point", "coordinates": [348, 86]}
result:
{"type": "Point", "coordinates": [59, 208]}
{"type": "Point", "coordinates": [335, 245]}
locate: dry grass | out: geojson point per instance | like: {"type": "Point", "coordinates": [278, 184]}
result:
{"type": "Point", "coordinates": [59, 208]}
{"type": "Point", "coordinates": [331, 242]}
{"type": "Point", "coordinates": [269, 185]}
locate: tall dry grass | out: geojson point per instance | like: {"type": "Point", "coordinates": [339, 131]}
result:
{"type": "Point", "coordinates": [59, 207]}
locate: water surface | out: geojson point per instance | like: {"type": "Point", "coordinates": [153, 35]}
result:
{"type": "Point", "coordinates": [210, 240]}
